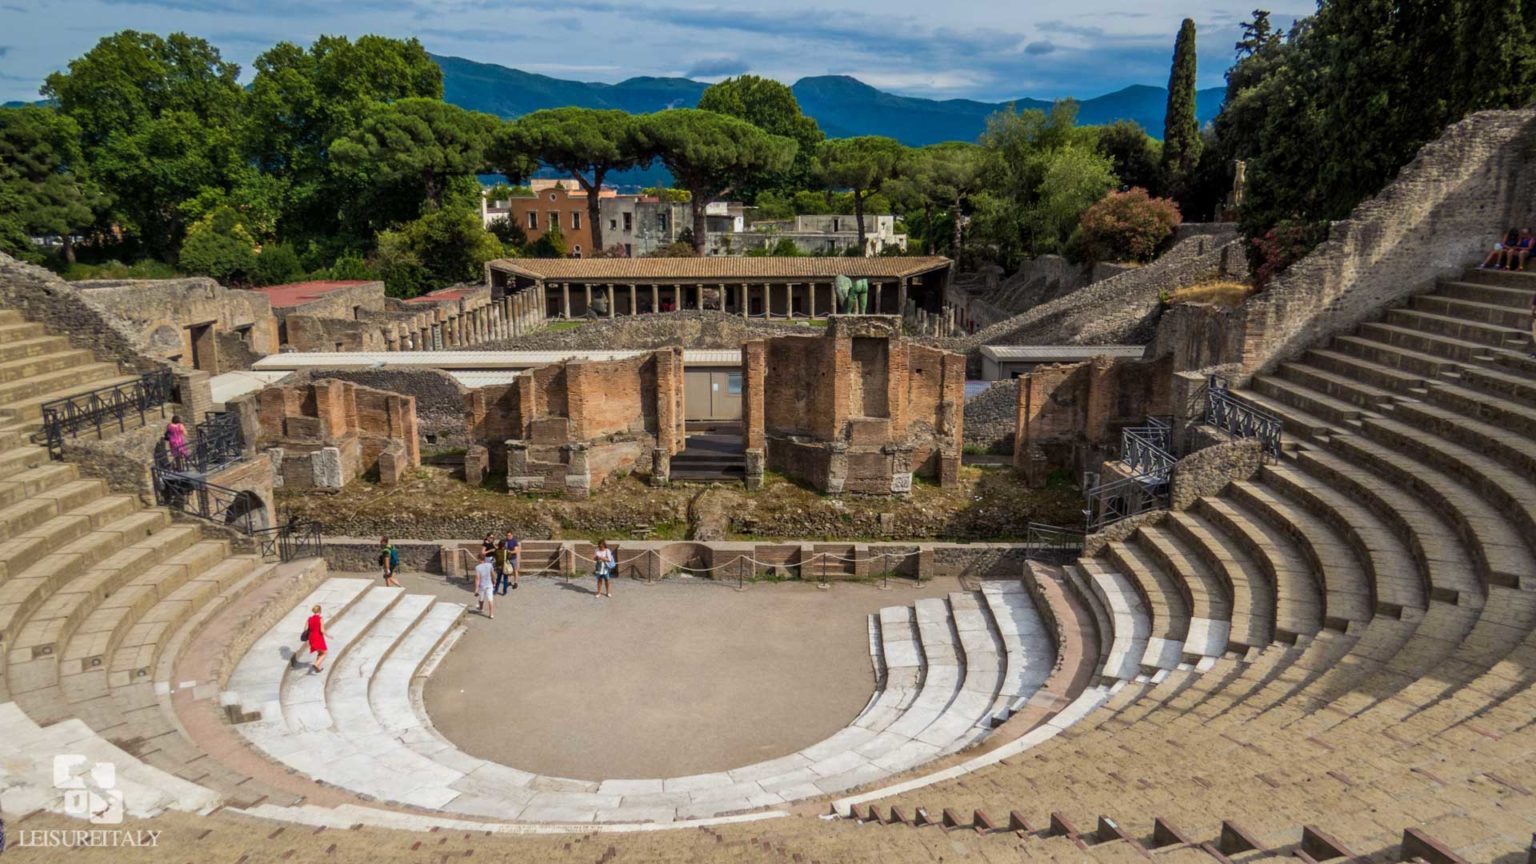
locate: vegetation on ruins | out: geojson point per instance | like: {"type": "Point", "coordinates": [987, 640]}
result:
{"type": "Point", "coordinates": [1125, 225]}
{"type": "Point", "coordinates": [343, 158]}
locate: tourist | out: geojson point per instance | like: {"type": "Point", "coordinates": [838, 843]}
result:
{"type": "Point", "coordinates": [485, 585]}
{"type": "Point", "coordinates": [488, 544]}
{"type": "Point", "coordinates": [1515, 255]}
{"type": "Point", "coordinates": [1495, 258]}
{"type": "Point", "coordinates": [389, 559]}
{"type": "Point", "coordinates": [314, 634]}
{"type": "Point", "coordinates": [603, 570]}
{"type": "Point", "coordinates": [176, 441]}
{"type": "Point", "coordinates": [510, 563]}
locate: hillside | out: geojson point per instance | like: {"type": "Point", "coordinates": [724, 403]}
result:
{"type": "Point", "coordinates": [842, 105]}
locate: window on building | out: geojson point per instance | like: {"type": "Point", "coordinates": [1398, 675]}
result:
{"type": "Point", "coordinates": [576, 251]}
{"type": "Point", "coordinates": [733, 384]}
{"type": "Point", "coordinates": [613, 224]}
{"type": "Point", "coordinates": [533, 220]}
{"type": "Point", "coordinates": [661, 221]}
{"type": "Point", "coordinates": [629, 251]}
{"type": "Point", "coordinates": [575, 220]}
{"type": "Point", "coordinates": [629, 221]}
{"type": "Point", "coordinates": [554, 219]}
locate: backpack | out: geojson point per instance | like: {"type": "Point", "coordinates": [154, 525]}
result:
{"type": "Point", "coordinates": [394, 558]}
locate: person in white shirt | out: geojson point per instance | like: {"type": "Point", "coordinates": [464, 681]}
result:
{"type": "Point", "coordinates": [485, 584]}
{"type": "Point", "coordinates": [604, 570]}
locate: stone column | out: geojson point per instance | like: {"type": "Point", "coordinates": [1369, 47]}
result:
{"type": "Point", "coordinates": [878, 287]}
{"type": "Point", "coordinates": [655, 298]}
{"type": "Point", "coordinates": [901, 295]}
{"type": "Point", "coordinates": [634, 299]}
{"type": "Point", "coordinates": [613, 300]}
{"type": "Point", "coordinates": [587, 288]}
{"type": "Point", "coordinates": [744, 291]}
{"type": "Point", "coordinates": [565, 294]}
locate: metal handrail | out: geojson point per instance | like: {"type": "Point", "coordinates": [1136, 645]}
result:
{"type": "Point", "coordinates": [1145, 451]}
{"type": "Point", "coordinates": [292, 539]}
{"type": "Point", "coordinates": [1111, 502]}
{"type": "Point", "coordinates": [216, 444]}
{"type": "Point", "coordinates": [1040, 537]}
{"type": "Point", "coordinates": [1239, 419]}
{"type": "Point", "coordinates": [194, 496]}
{"type": "Point", "coordinates": [104, 406]}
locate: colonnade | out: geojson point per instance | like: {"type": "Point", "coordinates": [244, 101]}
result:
{"type": "Point", "coordinates": [625, 298]}
{"type": "Point", "coordinates": [445, 328]}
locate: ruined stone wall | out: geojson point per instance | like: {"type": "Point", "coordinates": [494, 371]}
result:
{"type": "Point", "coordinates": [327, 433]}
{"type": "Point", "coordinates": [1461, 192]}
{"type": "Point", "coordinates": [493, 415]}
{"type": "Point", "coordinates": [858, 409]}
{"type": "Point", "coordinates": [43, 297]}
{"type": "Point", "coordinates": [340, 303]}
{"type": "Point", "coordinates": [1069, 413]}
{"type": "Point", "coordinates": [313, 333]}
{"type": "Point", "coordinates": [440, 400]}
{"type": "Point", "coordinates": [161, 311]}
{"type": "Point", "coordinates": [605, 398]}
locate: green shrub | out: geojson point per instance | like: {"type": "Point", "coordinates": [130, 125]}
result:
{"type": "Point", "coordinates": [1123, 226]}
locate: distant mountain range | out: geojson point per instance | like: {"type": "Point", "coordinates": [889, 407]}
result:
{"type": "Point", "coordinates": [842, 105]}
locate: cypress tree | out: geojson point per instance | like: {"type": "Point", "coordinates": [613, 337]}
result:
{"type": "Point", "coordinates": [1181, 128]}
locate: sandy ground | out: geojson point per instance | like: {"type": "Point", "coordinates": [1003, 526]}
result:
{"type": "Point", "coordinates": [663, 680]}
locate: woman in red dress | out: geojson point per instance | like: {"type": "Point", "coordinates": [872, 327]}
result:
{"type": "Point", "coordinates": [316, 632]}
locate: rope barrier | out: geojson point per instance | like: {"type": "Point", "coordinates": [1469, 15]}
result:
{"type": "Point", "coordinates": [739, 562]}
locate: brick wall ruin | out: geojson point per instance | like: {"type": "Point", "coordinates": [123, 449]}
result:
{"type": "Point", "coordinates": [196, 321]}
{"type": "Point", "coordinates": [1067, 413]}
{"type": "Point", "coordinates": [361, 318]}
{"type": "Point", "coordinates": [859, 409]}
{"type": "Point", "coordinates": [327, 433]}
{"type": "Point", "coordinates": [567, 427]}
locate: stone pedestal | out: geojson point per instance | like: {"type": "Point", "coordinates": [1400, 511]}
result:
{"type": "Point", "coordinates": [661, 467]}
{"type": "Point", "coordinates": [756, 465]}
{"type": "Point", "coordinates": [477, 463]}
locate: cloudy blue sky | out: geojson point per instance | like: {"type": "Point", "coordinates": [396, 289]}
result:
{"type": "Point", "coordinates": [984, 49]}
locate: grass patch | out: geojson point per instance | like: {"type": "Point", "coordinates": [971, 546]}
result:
{"type": "Point", "coordinates": [1219, 293]}
{"type": "Point", "coordinates": [146, 269]}
{"type": "Point", "coordinates": [562, 326]}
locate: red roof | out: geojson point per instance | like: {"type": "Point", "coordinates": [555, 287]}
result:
{"type": "Point", "coordinates": [297, 293]}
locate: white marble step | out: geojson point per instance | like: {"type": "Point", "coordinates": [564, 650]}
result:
{"type": "Point", "coordinates": [1128, 620]}
{"type": "Point", "coordinates": [1029, 649]}
{"type": "Point", "coordinates": [32, 775]}
{"type": "Point", "coordinates": [303, 690]}
{"type": "Point", "coordinates": [877, 663]}
{"type": "Point", "coordinates": [904, 667]}
{"type": "Point", "coordinates": [256, 685]}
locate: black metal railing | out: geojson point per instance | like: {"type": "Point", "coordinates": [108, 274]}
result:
{"type": "Point", "coordinates": [1040, 538]}
{"type": "Point", "coordinates": [1145, 449]}
{"type": "Point", "coordinates": [194, 496]}
{"type": "Point", "coordinates": [1240, 419]}
{"type": "Point", "coordinates": [290, 540]}
{"type": "Point", "coordinates": [1115, 500]}
{"type": "Point", "coordinates": [105, 407]}
{"type": "Point", "coordinates": [216, 444]}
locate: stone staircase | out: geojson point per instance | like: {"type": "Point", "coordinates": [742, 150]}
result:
{"type": "Point", "coordinates": [1360, 616]}
{"type": "Point", "coordinates": [948, 671]}
{"type": "Point", "coordinates": [1333, 652]}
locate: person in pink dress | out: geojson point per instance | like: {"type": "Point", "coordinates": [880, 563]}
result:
{"type": "Point", "coordinates": [176, 440]}
{"type": "Point", "coordinates": [315, 632]}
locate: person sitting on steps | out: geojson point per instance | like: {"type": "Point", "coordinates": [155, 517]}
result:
{"type": "Point", "coordinates": [1514, 256]}
{"type": "Point", "coordinates": [1495, 259]}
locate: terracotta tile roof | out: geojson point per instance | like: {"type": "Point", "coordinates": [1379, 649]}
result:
{"type": "Point", "coordinates": [298, 293]}
{"type": "Point", "coordinates": [723, 268]}
{"type": "Point", "coordinates": [439, 296]}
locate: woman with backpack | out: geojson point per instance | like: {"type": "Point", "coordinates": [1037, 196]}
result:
{"type": "Point", "coordinates": [603, 557]}
{"type": "Point", "coordinates": [389, 559]}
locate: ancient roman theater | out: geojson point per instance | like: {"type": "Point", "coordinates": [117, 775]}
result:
{"type": "Point", "coordinates": [905, 565]}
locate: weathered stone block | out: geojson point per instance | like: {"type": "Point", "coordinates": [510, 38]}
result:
{"type": "Point", "coordinates": [326, 468]}
{"type": "Point", "coordinates": [549, 430]}
{"type": "Point", "coordinates": [477, 464]}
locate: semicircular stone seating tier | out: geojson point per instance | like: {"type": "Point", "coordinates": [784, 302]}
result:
{"type": "Point", "coordinates": [948, 670]}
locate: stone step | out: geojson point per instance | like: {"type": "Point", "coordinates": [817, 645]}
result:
{"type": "Point", "coordinates": [1383, 351]}
{"type": "Point", "coordinates": [1441, 560]}
{"type": "Point", "coordinates": [23, 593]}
{"type": "Point", "coordinates": [18, 331]}
{"type": "Point", "coordinates": [1130, 624]}
{"type": "Point", "coordinates": [1492, 335]}
{"type": "Point", "coordinates": [303, 695]}
{"type": "Point", "coordinates": [19, 485]}
{"type": "Point", "coordinates": [1347, 594]}
{"type": "Point", "coordinates": [1493, 438]}
{"type": "Point", "coordinates": [1483, 292]}
{"type": "Point", "coordinates": [1253, 611]}
{"type": "Point", "coordinates": [30, 409]}
{"type": "Point", "coordinates": [1493, 543]}
{"type": "Point", "coordinates": [254, 689]}
{"type": "Point", "coordinates": [33, 347]}
{"type": "Point", "coordinates": [1514, 415]}
{"type": "Point", "coordinates": [1296, 422]}
{"type": "Point", "coordinates": [1298, 598]}
{"type": "Point", "coordinates": [69, 378]}
{"type": "Point", "coordinates": [1393, 580]}
{"type": "Point", "coordinates": [47, 503]}
{"type": "Point", "coordinates": [1103, 628]}
{"type": "Point", "coordinates": [43, 364]}
{"type": "Point", "coordinates": [1500, 315]}
{"type": "Point", "coordinates": [1160, 594]}
{"type": "Point", "coordinates": [27, 750]}
{"type": "Point", "coordinates": [1386, 378]}
{"type": "Point", "coordinates": [1504, 278]}
{"type": "Point", "coordinates": [137, 652]}
{"type": "Point", "coordinates": [1420, 343]}
{"type": "Point", "coordinates": [1340, 387]}
{"type": "Point", "coordinates": [1029, 651]}
{"type": "Point", "coordinates": [18, 459]}
{"type": "Point", "coordinates": [1492, 506]}
{"type": "Point", "coordinates": [1334, 411]}
{"type": "Point", "coordinates": [1210, 607]}
{"type": "Point", "coordinates": [1496, 382]}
